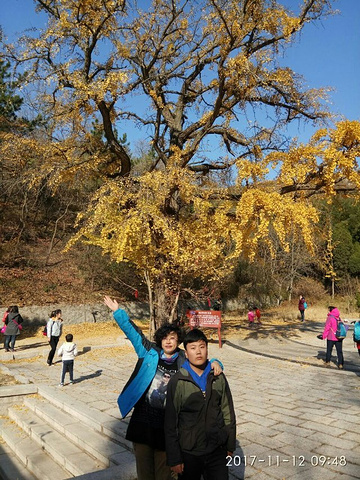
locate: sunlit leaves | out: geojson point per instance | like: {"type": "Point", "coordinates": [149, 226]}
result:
{"type": "Point", "coordinates": [330, 159]}
{"type": "Point", "coordinates": [261, 209]}
{"type": "Point", "coordinates": [129, 222]}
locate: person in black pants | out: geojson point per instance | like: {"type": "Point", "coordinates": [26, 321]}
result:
{"type": "Point", "coordinates": [200, 423]}
{"type": "Point", "coordinates": [53, 331]}
{"type": "Point", "coordinates": [329, 334]}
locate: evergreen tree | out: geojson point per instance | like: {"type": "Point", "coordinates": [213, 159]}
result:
{"type": "Point", "coordinates": [343, 248]}
{"type": "Point", "coordinates": [354, 260]}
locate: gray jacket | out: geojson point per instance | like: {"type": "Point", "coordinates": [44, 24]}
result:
{"type": "Point", "coordinates": [12, 324]}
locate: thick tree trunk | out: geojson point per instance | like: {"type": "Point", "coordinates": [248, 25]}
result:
{"type": "Point", "coordinates": [162, 305]}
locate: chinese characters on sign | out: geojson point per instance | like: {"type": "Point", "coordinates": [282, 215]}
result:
{"type": "Point", "coordinates": [205, 319]}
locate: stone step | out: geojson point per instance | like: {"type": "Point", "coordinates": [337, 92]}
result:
{"type": "Point", "coordinates": [99, 421]}
{"type": "Point", "coordinates": [68, 455]}
{"type": "Point", "coordinates": [37, 463]}
{"type": "Point", "coordinates": [97, 444]}
{"type": "Point", "coordinates": [63, 438]}
{"type": "Point", "coordinates": [14, 393]}
{"type": "Point", "coordinates": [11, 467]}
{"type": "Point", "coordinates": [113, 473]}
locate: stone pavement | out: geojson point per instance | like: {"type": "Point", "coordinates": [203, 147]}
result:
{"type": "Point", "coordinates": [295, 418]}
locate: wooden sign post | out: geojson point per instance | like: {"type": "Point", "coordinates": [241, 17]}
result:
{"type": "Point", "coordinates": [206, 319]}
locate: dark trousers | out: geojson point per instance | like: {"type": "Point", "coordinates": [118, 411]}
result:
{"type": "Point", "coordinates": [67, 366]}
{"type": "Point", "coordinates": [53, 344]}
{"type": "Point", "coordinates": [211, 466]}
{"type": "Point", "coordinates": [9, 340]}
{"type": "Point", "coordinates": [329, 347]}
{"type": "Point", "coordinates": [302, 315]}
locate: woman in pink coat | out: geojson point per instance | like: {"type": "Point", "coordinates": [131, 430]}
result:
{"type": "Point", "coordinates": [329, 333]}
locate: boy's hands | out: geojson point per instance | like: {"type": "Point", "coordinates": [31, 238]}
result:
{"type": "Point", "coordinates": [177, 468]}
{"type": "Point", "coordinates": [215, 365]}
{"type": "Point", "coordinates": [112, 304]}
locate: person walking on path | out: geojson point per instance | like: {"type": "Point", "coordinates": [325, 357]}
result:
{"type": "Point", "coordinates": [156, 362]}
{"type": "Point", "coordinates": [200, 424]}
{"type": "Point", "coordinates": [301, 307]}
{"type": "Point", "coordinates": [68, 352]}
{"type": "Point", "coordinates": [13, 323]}
{"type": "Point", "coordinates": [54, 330]}
{"type": "Point", "coordinates": [330, 334]}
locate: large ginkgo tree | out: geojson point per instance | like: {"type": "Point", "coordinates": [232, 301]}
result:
{"type": "Point", "coordinates": [203, 82]}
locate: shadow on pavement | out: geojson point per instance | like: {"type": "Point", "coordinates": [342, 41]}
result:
{"type": "Point", "coordinates": [349, 365]}
{"type": "Point", "coordinates": [31, 345]}
{"type": "Point", "coordinates": [287, 331]}
{"type": "Point", "coordinates": [237, 463]}
{"type": "Point", "coordinates": [82, 378]}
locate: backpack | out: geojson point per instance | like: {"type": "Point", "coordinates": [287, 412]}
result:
{"type": "Point", "coordinates": [44, 332]}
{"type": "Point", "coordinates": [305, 305]}
{"type": "Point", "coordinates": [357, 332]}
{"type": "Point", "coordinates": [341, 330]}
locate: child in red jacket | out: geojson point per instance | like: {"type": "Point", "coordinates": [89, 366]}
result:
{"type": "Point", "coordinates": [258, 315]}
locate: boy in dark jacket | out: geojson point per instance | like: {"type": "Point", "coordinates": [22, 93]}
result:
{"type": "Point", "coordinates": [200, 425]}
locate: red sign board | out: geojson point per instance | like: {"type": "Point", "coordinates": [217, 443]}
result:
{"type": "Point", "coordinates": [205, 319]}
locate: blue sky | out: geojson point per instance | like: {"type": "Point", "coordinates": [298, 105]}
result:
{"type": "Point", "coordinates": [326, 54]}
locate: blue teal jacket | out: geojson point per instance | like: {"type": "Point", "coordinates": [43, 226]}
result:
{"type": "Point", "coordinates": [145, 369]}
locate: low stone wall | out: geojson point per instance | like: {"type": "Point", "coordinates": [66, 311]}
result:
{"type": "Point", "coordinates": [72, 314]}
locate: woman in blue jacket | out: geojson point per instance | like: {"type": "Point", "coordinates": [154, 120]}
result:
{"type": "Point", "coordinates": [145, 391]}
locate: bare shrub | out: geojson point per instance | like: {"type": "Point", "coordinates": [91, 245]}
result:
{"type": "Point", "coordinates": [311, 289]}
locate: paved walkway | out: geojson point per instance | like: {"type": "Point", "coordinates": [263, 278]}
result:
{"type": "Point", "coordinates": [296, 418]}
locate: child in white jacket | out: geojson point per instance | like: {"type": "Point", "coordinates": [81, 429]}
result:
{"type": "Point", "coordinates": [68, 352]}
